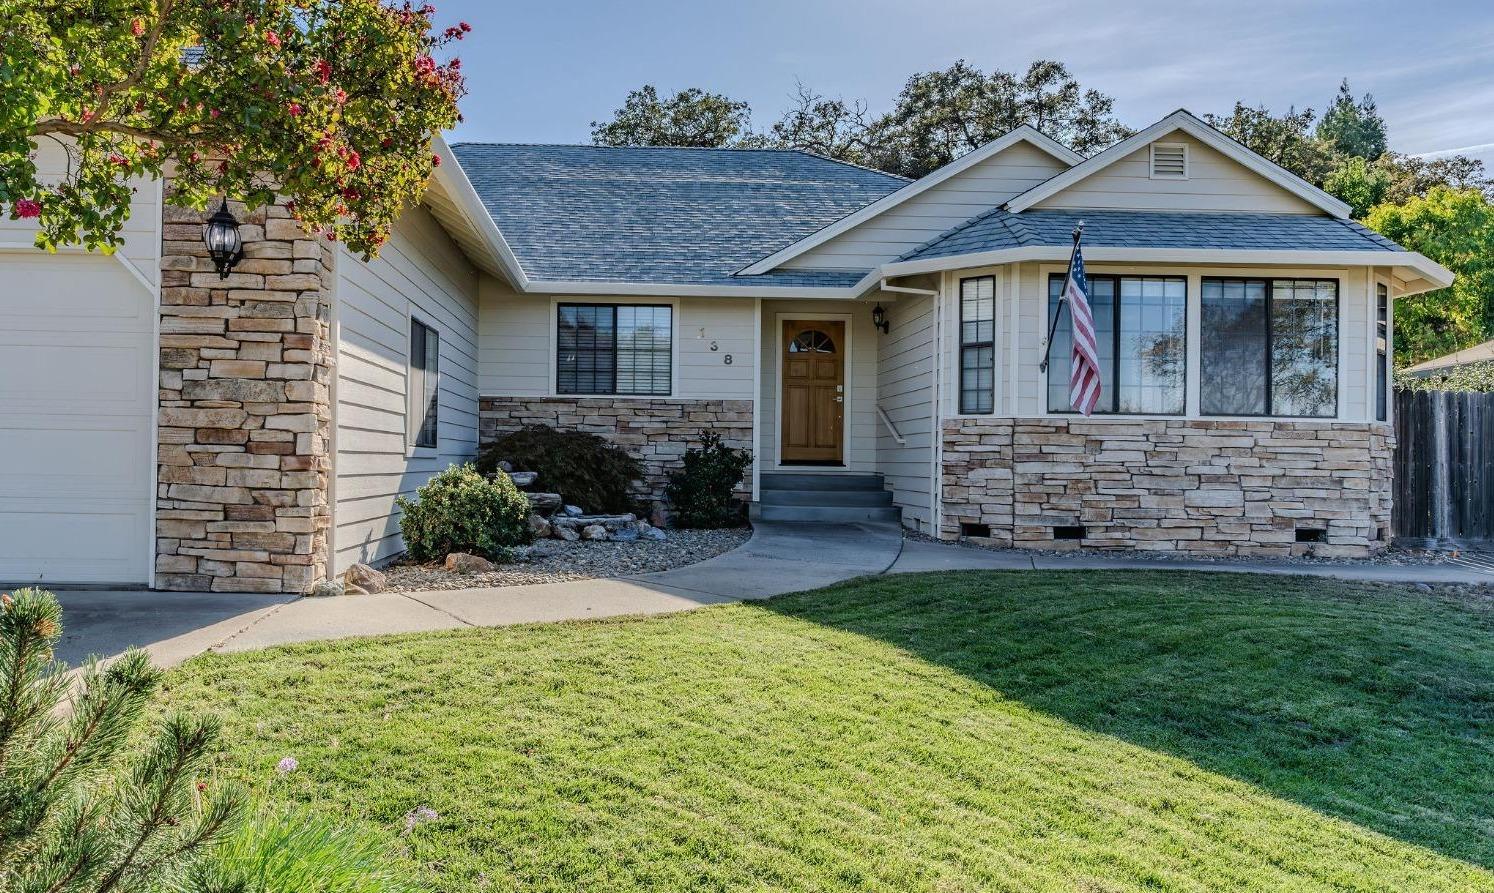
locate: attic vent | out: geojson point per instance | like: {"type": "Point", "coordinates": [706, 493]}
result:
{"type": "Point", "coordinates": [1169, 161]}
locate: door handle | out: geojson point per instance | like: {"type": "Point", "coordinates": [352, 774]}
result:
{"type": "Point", "coordinates": [839, 399]}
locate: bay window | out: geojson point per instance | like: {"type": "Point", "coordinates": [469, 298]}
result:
{"type": "Point", "coordinates": [1270, 347]}
{"type": "Point", "coordinates": [624, 349]}
{"type": "Point", "coordinates": [1141, 328]}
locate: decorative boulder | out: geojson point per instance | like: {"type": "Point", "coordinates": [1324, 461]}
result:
{"type": "Point", "coordinates": [594, 532]}
{"type": "Point", "coordinates": [648, 531]}
{"type": "Point", "coordinates": [466, 563]}
{"type": "Point", "coordinates": [523, 479]}
{"type": "Point", "coordinates": [505, 466]}
{"type": "Point", "coordinates": [360, 579]}
{"type": "Point", "coordinates": [572, 511]}
{"type": "Point", "coordinates": [626, 534]}
{"type": "Point", "coordinates": [569, 534]}
{"type": "Point", "coordinates": [546, 504]}
{"type": "Point", "coordinates": [325, 589]}
{"type": "Point", "coordinates": [539, 526]}
{"type": "Point", "coordinates": [660, 516]}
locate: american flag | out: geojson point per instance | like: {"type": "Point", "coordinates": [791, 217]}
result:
{"type": "Point", "coordinates": [1084, 373]}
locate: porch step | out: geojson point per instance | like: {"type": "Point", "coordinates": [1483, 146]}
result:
{"type": "Point", "coordinates": [832, 498]}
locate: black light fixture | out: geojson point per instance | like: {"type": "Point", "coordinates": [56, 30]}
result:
{"type": "Point", "coordinates": [224, 245]}
{"type": "Point", "coordinates": [879, 319]}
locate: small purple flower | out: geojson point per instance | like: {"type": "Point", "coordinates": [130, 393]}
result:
{"type": "Point", "coordinates": [419, 816]}
{"type": "Point", "coordinates": [286, 765]}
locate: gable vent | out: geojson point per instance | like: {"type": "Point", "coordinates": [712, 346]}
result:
{"type": "Point", "coordinates": [1169, 161]}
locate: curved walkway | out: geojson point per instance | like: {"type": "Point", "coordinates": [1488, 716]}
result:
{"type": "Point", "coordinates": [779, 558]}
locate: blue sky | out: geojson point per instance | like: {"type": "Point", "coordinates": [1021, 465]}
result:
{"type": "Point", "coordinates": [542, 71]}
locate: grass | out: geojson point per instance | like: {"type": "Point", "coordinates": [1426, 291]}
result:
{"type": "Point", "coordinates": [977, 731]}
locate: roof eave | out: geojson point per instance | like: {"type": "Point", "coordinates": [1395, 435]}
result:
{"type": "Point", "coordinates": [677, 289]}
{"type": "Point", "coordinates": [493, 248]}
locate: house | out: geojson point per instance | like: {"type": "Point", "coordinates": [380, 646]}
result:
{"type": "Point", "coordinates": [875, 342]}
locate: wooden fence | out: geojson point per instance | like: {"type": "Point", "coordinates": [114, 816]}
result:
{"type": "Point", "coordinates": [1444, 468]}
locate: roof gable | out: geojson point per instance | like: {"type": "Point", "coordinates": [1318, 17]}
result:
{"type": "Point", "coordinates": [1214, 146]}
{"type": "Point", "coordinates": [960, 166]}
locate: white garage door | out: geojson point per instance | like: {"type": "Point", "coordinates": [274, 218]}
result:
{"type": "Point", "coordinates": [76, 392]}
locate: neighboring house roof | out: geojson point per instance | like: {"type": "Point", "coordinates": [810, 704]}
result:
{"type": "Point", "coordinates": [1024, 133]}
{"type": "Point", "coordinates": [594, 214]}
{"type": "Point", "coordinates": [1185, 121]}
{"type": "Point", "coordinates": [1468, 356]}
{"type": "Point", "coordinates": [1000, 228]}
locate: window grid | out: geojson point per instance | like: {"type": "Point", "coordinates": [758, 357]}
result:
{"type": "Point", "coordinates": [1276, 353]}
{"type": "Point", "coordinates": [1143, 360]}
{"type": "Point", "coordinates": [424, 384]}
{"type": "Point", "coordinates": [978, 345]}
{"type": "Point", "coordinates": [1382, 351]}
{"type": "Point", "coordinates": [624, 349]}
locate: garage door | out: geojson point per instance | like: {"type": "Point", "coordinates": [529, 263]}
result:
{"type": "Point", "coordinates": [76, 392]}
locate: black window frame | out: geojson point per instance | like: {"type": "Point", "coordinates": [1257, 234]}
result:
{"type": "Point", "coordinates": [977, 345]}
{"type": "Point", "coordinates": [1338, 342]}
{"type": "Point", "coordinates": [614, 391]}
{"type": "Point", "coordinates": [1115, 350]}
{"type": "Point", "coordinates": [1382, 352]}
{"type": "Point", "coordinates": [422, 364]}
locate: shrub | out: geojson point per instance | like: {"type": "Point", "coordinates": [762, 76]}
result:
{"type": "Point", "coordinates": [1472, 377]}
{"type": "Point", "coordinates": [459, 510]}
{"type": "Point", "coordinates": [703, 491]}
{"type": "Point", "coordinates": [75, 814]}
{"type": "Point", "coordinates": [583, 468]}
{"type": "Point", "coordinates": [294, 850]}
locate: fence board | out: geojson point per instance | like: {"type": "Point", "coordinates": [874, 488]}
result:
{"type": "Point", "coordinates": [1444, 467]}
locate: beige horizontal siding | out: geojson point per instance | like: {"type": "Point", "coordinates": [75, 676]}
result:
{"type": "Point", "coordinates": [905, 391]}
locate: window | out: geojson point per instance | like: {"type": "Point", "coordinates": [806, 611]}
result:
{"type": "Point", "coordinates": [978, 345]}
{"type": "Point", "coordinates": [1382, 349]}
{"type": "Point", "coordinates": [424, 383]}
{"type": "Point", "coordinates": [1270, 347]}
{"type": "Point", "coordinates": [614, 349]}
{"type": "Point", "coordinates": [1143, 360]}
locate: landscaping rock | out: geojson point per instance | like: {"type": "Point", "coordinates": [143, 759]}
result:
{"type": "Point", "coordinates": [572, 511]}
{"type": "Point", "coordinates": [546, 504]}
{"type": "Point", "coordinates": [360, 579]}
{"type": "Point", "coordinates": [569, 534]}
{"type": "Point", "coordinates": [505, 466]}
{"type": "Point", "coordinates": [523, 479]}
{"type": "Point", "coordinates": [466, 563]}
{"type": "Point", "coordinates": [594, 532]}
{"type": "Point", "coordinates": [611, 522]}
{"type": "Point", "coordinates": [325, 589]}
{"type": "Point", "coordinates": [648, 531]}
{"type": "Point", "coordinates": [539, 526]}
{"type": "Point", "coordinates": [626, 534]}
{"type": "Point", "coordinates": [660, 516]}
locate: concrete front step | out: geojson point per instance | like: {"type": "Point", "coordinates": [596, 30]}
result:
{"type": "Point", "coordinates": [806, 480]}
{"type": "Point", "coordinates": [842, 498]}
{"type": "Point", "coordinates": [828, 513]}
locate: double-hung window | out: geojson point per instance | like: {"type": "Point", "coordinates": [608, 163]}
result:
{"type": "Point", "coordinates": [978, 345]}
{"type": "Point", "coordinates": [1141, 332]}
{"type": "Point", "coordinates": [424, 383]}
{"type": "Point", "coordinates": [1270, 347]}
{"type": "Point", "coordinates": [1382, 349]}
{"type": "Point", "coordinates": [614, 349]}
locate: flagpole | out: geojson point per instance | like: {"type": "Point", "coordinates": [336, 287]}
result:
{"type": "Point", "coordinates": [1063, 298]}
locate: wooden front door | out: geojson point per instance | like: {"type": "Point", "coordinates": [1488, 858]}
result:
{"type": "Point", "coordinates": [814, 392]}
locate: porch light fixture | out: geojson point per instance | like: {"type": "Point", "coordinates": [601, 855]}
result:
{"type": "Point", "coordinates": [224, 245]}
{"type": "Point", "coordinates": [879, 319]}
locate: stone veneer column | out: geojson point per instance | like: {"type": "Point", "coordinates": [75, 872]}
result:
{"type": "Point", "coordinates": [245, 415]}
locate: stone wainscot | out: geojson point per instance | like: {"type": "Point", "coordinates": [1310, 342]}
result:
{"type": "Point", "coordinates": [654, 430]}
{"type": "Point", "coordinates": [1248, 488]}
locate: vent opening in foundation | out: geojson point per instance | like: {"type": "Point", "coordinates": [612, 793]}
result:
{"type": "Point", "coordinates": [1312, 535]}
{"type": "Point", "coordinates": [1069, 532]}
{"type": "Point", "coordinates": [969, 529]}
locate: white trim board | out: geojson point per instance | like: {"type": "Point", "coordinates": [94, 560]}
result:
{"type": "Point", "coordinates": [1185, 121]}
{"type": "Point", "coordinates": [1023, 133]}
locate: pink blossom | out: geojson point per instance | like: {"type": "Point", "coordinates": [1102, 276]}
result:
{"type": "Point", "coordinates": [295, 109]}
{"type": "Point", "coordinates": [27, 208]}
{"type": "Point", "coordinates": [272, 39]}
{"type": "Point", "coordinates": [435, 161]}
{"type": "Point", "coordinates": [137, 27]}
{"type": "Point", "coordinates": [323, 70]}
{"type": "Point", "coordinates": [354, 161]}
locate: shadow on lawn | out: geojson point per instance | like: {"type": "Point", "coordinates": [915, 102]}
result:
{"type": "Point", "coordinates": [1375, 705]}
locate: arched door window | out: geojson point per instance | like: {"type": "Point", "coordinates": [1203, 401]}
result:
{"type": "Point", "coordinates": [812, 341]}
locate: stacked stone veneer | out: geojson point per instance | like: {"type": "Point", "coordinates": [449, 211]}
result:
{"type": "Point", "coordinates": [656, 431]}
{"type": "Point", "coordinates": [245, 417]}
{"type": "Point", "coordinates": [1219, 487]}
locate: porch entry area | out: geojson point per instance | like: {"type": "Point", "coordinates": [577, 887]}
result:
{"type": "Point", "coordinates": [814, 392]}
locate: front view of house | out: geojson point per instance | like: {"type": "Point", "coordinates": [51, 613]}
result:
{"type": "Point", "coordinates": [877, 344]}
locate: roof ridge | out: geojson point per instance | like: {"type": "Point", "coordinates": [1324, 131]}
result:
{"type": "Point", "coordinates": [859, 167]}
{"type": "Point", "coordinates": [762, 149]}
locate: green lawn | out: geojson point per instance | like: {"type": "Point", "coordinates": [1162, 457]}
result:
{"type": "Point", "coordinates": [955, 732]}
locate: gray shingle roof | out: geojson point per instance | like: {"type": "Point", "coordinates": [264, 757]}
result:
{"type": "Point", "coordinates": [999, 228]}
{"type": "Point", "coordinates": [660, 215]}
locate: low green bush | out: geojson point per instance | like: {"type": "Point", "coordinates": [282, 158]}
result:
{"type": "Point", "coordinates": [1473, 377]}
{"type": "Point", "coordinates": [703, 492]}
{"type": "Point", "coordinates": [585, 469]}
{"type": "Point", "coordinates": [460, 510]}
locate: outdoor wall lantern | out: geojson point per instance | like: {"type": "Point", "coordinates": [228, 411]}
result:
{"type": "Point", "coordinates": [879, 319]}
{"type": "Point", "coordinates": [224, 245]}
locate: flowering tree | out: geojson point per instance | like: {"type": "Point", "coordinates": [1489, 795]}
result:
{"type": "Point", "coordinates": [331, 103]}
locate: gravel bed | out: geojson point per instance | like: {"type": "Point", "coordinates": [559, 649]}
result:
{"type": "Point", "coordinates": [555, 561]}
{"type": "Point", "coordinates": [1393, 557]}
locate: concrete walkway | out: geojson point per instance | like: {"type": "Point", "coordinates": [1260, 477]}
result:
{"type": "Point", "coordinates": [781, 557]}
